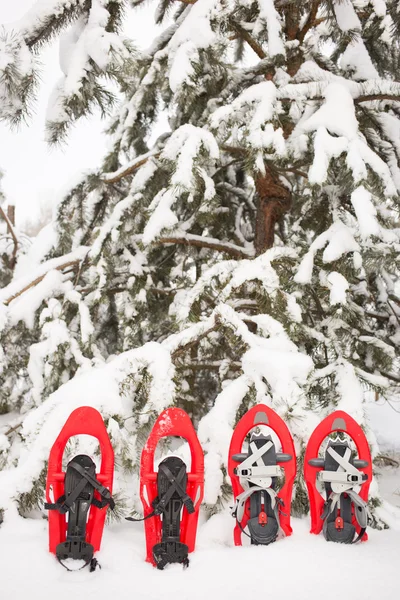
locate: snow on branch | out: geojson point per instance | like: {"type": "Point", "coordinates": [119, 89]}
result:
{"type": "Point", "coordinates": [21, 285]}
{"type": "Point", "coordinates": [128, 169]}
{"type": "Point", "coordinates": [189, 239]}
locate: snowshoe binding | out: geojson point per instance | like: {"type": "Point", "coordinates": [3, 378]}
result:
{"type": "Point", "coordinates": [342, 478]}
{"type": "Point", "coordinates": [83, 497]}
{"type": "Point", "coordinates": [171, 497]}
{"type": "Point", "coordinates": [80, 484]}
{"type": "Point", "coordinates": [258, 502]}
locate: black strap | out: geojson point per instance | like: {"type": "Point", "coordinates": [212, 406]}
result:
{"type": "Point", "coordinates": [93, 562]}
{"type": "Point", "coordinates": [159, 505]}
{"type": "Point", "coordinates": [103, 491]}
{"type": "Point", "coordinates": [64, 504]}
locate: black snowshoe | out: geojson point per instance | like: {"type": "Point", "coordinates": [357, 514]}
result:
{"type": "Point", "coordinates": [80, 484]}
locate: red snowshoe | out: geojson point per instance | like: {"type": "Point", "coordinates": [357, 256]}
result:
{"type": "Point", "coordinates": [79, 492]}
{"type": "Point", "coordinates": [342, 477]}
{"type": "Point", "coordinates": [171, 531]}
{"type": "Point", "coordinates": [259, 505]}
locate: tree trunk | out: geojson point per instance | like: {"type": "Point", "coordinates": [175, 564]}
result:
{"type": "Point", "coordinates": [274, 200]}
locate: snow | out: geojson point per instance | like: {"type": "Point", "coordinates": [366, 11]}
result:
{"type": "Point", "coordinates": [194, 34]}
{"type": "Point", "coordinates": [41, 270]}
{"type": "Point", "coordinates": [361, 200]}
{"type": "Point", "coordinates": [356, 59]}
{"type": "Point", "coordinates": [269, 16]}
{"type": "Point", "coordinates": [346, 16]}
{"type": "Point", "coordinates": [294, 567]}
{"type": "Point", "coordinates": [338, 239]}
{"type": "Point", "coordinates": [253, 109]}
{"type": "Point", "coordinates": [338, 287]}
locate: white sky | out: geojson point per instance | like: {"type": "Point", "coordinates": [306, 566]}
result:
{"type": "Point", "coordinates": [34, 173]}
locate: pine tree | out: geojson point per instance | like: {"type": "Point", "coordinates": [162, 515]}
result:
{"type": "Point", "coordinates": [248, 254]}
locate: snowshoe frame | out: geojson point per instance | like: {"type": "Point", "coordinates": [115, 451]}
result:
{"type": "Point", "coordinates": [171, 422]}
{"type": "Point", "coordinates": [82, 421]}
{"type": "Point", "coordinates": [337, 421]}
{"type": "Point", "coordinates": [263, 415]}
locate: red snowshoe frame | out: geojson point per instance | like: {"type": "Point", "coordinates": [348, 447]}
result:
{"type": "Point", "coordinates": [263, 415]}
{"type": "Point", "coordinates": [171, 422]}
{"type": "Point", "coordinates": [82, 421]}
{"type": "Point", "coordinates": [337, 421]}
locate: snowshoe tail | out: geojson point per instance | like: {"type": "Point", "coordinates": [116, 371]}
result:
{"type": "Point", "coordinates": [255, 476]}
{"type": "Point", "coordinates": [345, 480]}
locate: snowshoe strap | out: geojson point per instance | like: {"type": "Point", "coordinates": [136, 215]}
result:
{"type": "Point", "coordinates": [160, 504]}
{"type": "Point", "coordinates": [238, 510]}
{"type": "Point", "coordinates": [361, 511]}
{"type": "Point", "coordinates": [64, 504]}
{"type": "Point", "coordinates": [263, 525]}
{"type": "Point", "coordinates": [347, 475]}
{"type": "Point", "coordinates": [174, 487]}
{"type": "Point", "coordinates": [170, 552]}
{"type": "Point", "coordinates": [254, 469]}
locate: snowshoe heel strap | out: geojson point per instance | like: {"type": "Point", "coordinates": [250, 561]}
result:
{"type": "Point", "coordinates": [343, 534]}
{"type": "Point", "coordinates": [263, 529]}
{"type": "Point", "coordinates": [170, 552]}
{"type": "Point", "coordinates": [75, 549]}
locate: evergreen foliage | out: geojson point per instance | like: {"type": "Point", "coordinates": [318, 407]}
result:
{"type": "Point", "coordinates": [248, 254]}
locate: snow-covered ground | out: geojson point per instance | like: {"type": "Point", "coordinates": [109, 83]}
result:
{"type": "Point", "coordinates": [302, 567]}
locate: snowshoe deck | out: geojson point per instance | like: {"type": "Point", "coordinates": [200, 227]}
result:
{"type": "Point", "coordinates": [254, 478]}
{"type": "Point", "coordinates": [78, 492]}
{"type": "Point", "coordinates": [344, 480]}
{"type": "Point", "coordinates": [171, 497]}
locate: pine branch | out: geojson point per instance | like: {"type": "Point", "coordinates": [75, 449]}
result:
{"type": "Point", "coordinates": [311, 21]}
{"type": "Point", "coordinates": [39, 279]}
{"type": "Point", "coordinates": [14, 237]}
{"type": "Point", "coordinates": [138, 162]}
{"type": "Point", "coordinates": [244, 35]}
{"type": "Point", "coordinates": [192, 343]}
{"type": "Point", "coordinates": [213, 244]}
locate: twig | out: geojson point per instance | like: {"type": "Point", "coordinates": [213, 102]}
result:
{"type": "Point", "coordinates": [14, 237]}
{"type": "Point", "coordinates": [12, 429]}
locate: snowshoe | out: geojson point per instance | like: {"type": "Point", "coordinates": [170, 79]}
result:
{"type": "Point", "coordinates": [171, 497]}
{"type": "Point", "coordinates": [80, 495]}
{"type": "Point", "coordinates": [342, 478]}
{"type": "Point", "coordinates": [259, 505]}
